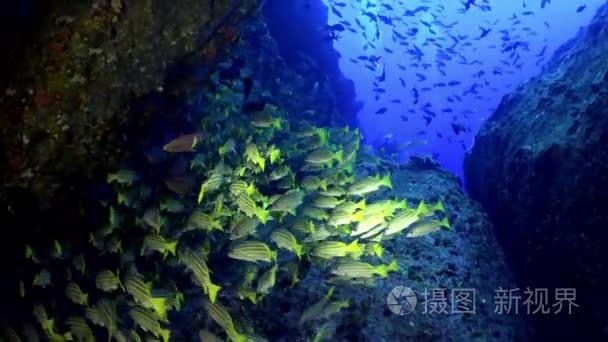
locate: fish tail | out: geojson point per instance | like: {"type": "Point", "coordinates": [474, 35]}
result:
{"type": "Point", "coordinates": [382, 271]}
{"type": "Point", "coordinates": [159, 306]}
{"type": "Point", "coordinates": [340, 156]}
{"type": "Point", "coordinates": [393, 266]}
{"type": "Point", "coordinates": [165, 334]}
{"type": "Point", "coordinates": [386, 180]}
{"type": "Point", "coordinates": [439, 206]}
{"type": "Point", "coordinates": [262, 215]}
{"type": "Point", "coordinates": [445, 223]}
{"type": "Point", "coordinates": [171, 247]}
{"type": "Point", "coordinates": [422, 208]}
{"type": "Point", "coordinates": [213, 291]}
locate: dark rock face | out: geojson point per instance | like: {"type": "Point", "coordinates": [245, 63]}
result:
{"type": "Point", "coordinates": [307, 44]}
{"type": "Point", "coordinates": [540, 167]}
{"type": "Point", "coordinates": [73, 71]}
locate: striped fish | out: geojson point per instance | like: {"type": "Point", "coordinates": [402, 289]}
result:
{"type": "Point", "coordinates": [107, 281]}
{"type": "Point", "coordinates": [284, 239]}
{"type": "Point", "coordinates": [201, 220]}
{"type": "Point", "coordinates": [319, 234]}
{"type": "Point", "coordinates": [427, 227]}
{"type": "Point", "coordinates": [335, 249]}
{"type": "Point", "coordinates": [215, 180]}
{"type": "Point", "coordinates": [75, 294]}
{"type": "Point", "coordinates": [314, 310]}
{"type": "Point", "coordinates": [315, 213]}
{"type": "Point", "coordinates": [220, 315]}
{"type": "Point", "coordinates": [106, 313]}
{"type": "Point", "coordinates": [312, 183]}
{"type": "Point", "coordinates": [243, 227]}
{"type": "Point", "coordinates": [42, 279]}
{"type": "Point", "coordinates": [333, 191]}
{"type": "Point", "coordinates": [239, 186]}
{"type": "Point", "coordinates": [326, 202]}
{"type": "Point", "coordinates": [304, 226]}
{"type": "Point", "coordinates": [149, 322]}
{"type": "Point", "coordinates": [368, 223]}
{"type": "Point", "coordinates": [253, 156]}
{"type": "Point", "coordinates": [141, 292]}
{"type": "Point", "coordinates": [247, 205]}
{"type": "Point", "coordinates": [229, 146]}
{"type": "Point", "coordinates": [197, 265]}
{"type": "Point", "coordinates": [80, 329]}
{"type": "Point", "coordinates": [279, 173]}
{"type": "Point", "coordinates": [288, 202]}
{"type": "Point", "coordinates": [153, 218]}
{"type": "Point", "coordinates": [252, 251]}
{"type": "Point", "coordinates": [359, 269]}
{"type": "Point", "coordinates": [157, 243]}
{"type": "Point", "coordinates": [406, 219]}
{"type": "Point", "coordinates": [343, 218]}
{"type": "Point", "coordinates": [267, 280]}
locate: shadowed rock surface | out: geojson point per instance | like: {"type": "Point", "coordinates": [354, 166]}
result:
{"type": "Point", "coordinates": [467, 257]}
{"type": "Point", "coordinates": [540, 167]}
{"type": "Point", "coordinates": [309, 44]}
{"type": "Point", "coordinates": [66, 96]}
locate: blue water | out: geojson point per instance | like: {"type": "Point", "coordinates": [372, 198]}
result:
{"type": "Point", "coordinates": [485, 68]}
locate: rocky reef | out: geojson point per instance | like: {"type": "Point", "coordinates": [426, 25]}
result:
{"type": "Point", "coordinates": [71, 74]}
{"type": "Point", "coordinates": [540, 168]}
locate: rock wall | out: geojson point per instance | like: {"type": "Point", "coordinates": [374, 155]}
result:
{"type": "Point", "coordinates": [307, 44]}
{"type": "Point", "coordinates": [540, 167]}
{"type": "Point", "coordinates": [72, 75]}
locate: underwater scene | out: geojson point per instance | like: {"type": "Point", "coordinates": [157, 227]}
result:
{"type": "Point", "coordinates": [304, 170]}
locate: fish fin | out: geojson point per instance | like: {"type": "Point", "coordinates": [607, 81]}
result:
{"type": "Point", "coordinates": [445, 223]}
{"type": "Point", "coordinates": [213, 291]}
{"type": "Point", "coordinates": [201, 193]}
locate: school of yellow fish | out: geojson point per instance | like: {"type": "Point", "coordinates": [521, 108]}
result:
{"type": "Point", "coordinates": [269, 196]}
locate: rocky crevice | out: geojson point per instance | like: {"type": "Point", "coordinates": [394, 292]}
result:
{"type": "Point", "coordinates": [540, 168]}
